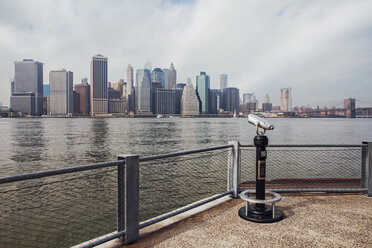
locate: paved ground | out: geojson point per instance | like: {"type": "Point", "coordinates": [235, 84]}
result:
{"type": "Point", "coordinates": [310, 221]}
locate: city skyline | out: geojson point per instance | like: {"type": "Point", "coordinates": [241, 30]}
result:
{"type": "Point", "coordinates": [322, 50]}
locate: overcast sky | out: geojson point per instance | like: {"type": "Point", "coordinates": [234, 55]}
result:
{"type": "Point", "coordinates": [322, 49]}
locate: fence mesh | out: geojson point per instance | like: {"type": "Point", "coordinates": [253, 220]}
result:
{"type": "Point", "coordinates": [296, 168]}
{"type": "Point", "coordinates": [58, 211]}
{"type": "Point", "coordinates": [171, 183]}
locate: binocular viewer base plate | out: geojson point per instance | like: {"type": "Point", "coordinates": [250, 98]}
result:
{"type": "Point", "coordinates": [264, 215]}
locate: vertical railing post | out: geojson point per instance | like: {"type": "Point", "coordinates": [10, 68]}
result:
{"type": "Point", "coordinates": [121, 196]}
{"type": "Point", "coordinates": [363, 167]}
{"type": "Point", "coordinates": [369, 166]}
{"type": "Point", "coordinates": [131, 200]}
{"type": "Point", "coordinates": [234, 172]}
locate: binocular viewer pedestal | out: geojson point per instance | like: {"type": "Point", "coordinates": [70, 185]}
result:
{"type": "Point", "coordinates": [260, 211]}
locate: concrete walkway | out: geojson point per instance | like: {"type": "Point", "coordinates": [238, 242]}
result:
{"type": "Point", "coordinates": [310, 221]}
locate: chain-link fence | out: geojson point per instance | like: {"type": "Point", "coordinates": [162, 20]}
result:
{"type": "Point", "coordinates": [58, 211]}
{"type": "Point", "coordinates": [170, 183]}
{"type": "Point", "coordinates": [306, 168]}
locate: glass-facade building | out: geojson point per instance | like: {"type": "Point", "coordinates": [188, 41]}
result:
{"type": "Point", "coordinates": [143, 91]}
{"type": "Point", "coordinates": [214, 101]}
{"type": "Point", "coordinates": [61, 93]}
{"type": "Point", "coordinates": [27, 95]}
{"type": "Point", "coordinates": [98, 90]}
{"type": "Point", "coordinates": [223, 81]}
{"type": "Point", "coordinates": [231, 99]}
{"type": "Point", "coordinates": [157, 75]}
{"type": "Point", "coordinates": [172, 80]}
{"type": "Point", "coordinates": [202, 88]}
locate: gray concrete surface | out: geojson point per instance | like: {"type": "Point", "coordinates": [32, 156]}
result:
{"type": "Point", "coordinates": [310, 221]}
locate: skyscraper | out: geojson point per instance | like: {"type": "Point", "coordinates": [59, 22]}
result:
{"type": "Point", "coordinates": [27, 96]}
{"type": "Point", "coordinates": [130, 83]}
{"type": "Point", "coordinates": [267, 105]}
{"type": "Point", "coordinates": [166, 78]}
{"type": "Point", "coordinates": [84, 80]}
{"type": "Point", "coordinates": [231, 99]}
{"type": "Point", "coordinates": [143, 91]}
{"type": "Point", "coordinates": [164, 101]}
{"type": "Point", "coordinates": [214, 101]}
{"type": "Point", "coordinates": [286, 99]}
{"type": "Point", "coordinates": [202, 87]}
{"type": "Point", "coordinates": [46, 90]}
{"type": "Point", "coordinates": [61, 93]}
{"type": "Point", "coordinates": [249, 98]}
{"type": "Point", "coordinates": [84, 92]}
{"type": "Point", "coordinates": [158, 76]}
{"type": "Point", "coordinates": [172, 76]}
{"type": "Point", "coordinates": [98, 90]}
{"type": "Point", "coordinates": [223, 81]}
{"type": "Point", "coordinates": [118, 85]}
{"type": "Point", "coordinates": [189, 100]}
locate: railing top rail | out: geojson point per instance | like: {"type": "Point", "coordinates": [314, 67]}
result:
{"type": "Point", "coordinates": [175, 154]}
{"type": "Point", "coordinates": [59, 171]}
{"type": "Point", "coordinates": [311, 145]}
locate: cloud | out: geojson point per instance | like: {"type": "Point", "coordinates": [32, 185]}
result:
{"type": "Point", "coordinates": [321, 49]}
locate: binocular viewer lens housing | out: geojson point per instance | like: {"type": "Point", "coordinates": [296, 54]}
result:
{"type": "Point", "coordinates": [259, 122]}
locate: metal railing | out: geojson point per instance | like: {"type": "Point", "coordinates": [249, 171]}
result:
{"type": "Point", "coordinates": [309, 168]}
{"type": "Point", "coordinates": [66, 207]}
{"type": "Point", "coordinates": [69, 206]}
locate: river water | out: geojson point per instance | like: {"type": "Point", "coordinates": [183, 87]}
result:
{"type": "Point", "coordinates": [66, 210]}
{"type": "Point", "coordinates": [30, 145]}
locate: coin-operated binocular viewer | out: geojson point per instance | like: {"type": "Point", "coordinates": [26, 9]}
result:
{"type": "Point", "coordinates": [260, 210]}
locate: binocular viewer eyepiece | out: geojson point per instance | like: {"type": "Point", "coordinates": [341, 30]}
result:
{"type": "Point", "coordinates": [260, 123]}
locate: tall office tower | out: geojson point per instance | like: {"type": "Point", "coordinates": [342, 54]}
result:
{"type": "Point", "coordinates": [125, 90]}
{"type": "Point", "coordinates": [214, 101]}
{"type": "Point", "coordinates": [46, 89]}
{"type": "Point", "coordinates": [286, 99]}
{"type": "Point", "coordinates": [172, 77]}
{"type": "Point", "coordinates": [177, 99]}
{"type": "Point", "coordinates": [190, 104]}
{"type": "Point", "coordinates": [27, 94]}
{"type": "Point", "coordinates": [349, 105]}
{"type": "Point", "coordinates": [61, 93]}
{"type": "Point", "coordinates": [84, 92]}
{"type": "Point", "coordinates": [76, 103]}
{"type": "Point", "coordinates": [166, 78]}
{"type": "Point", "coordinates": [11, 86]}
{"type": "Point", "coordinates": [202, 87]}
{"type": "Point", "coordinates": [164, 101]}
{"type": "Point", "coordinates": [130, 83]}
{"type": "Point", "coordinates": [157, 75]}
{"type": "Point", "coordinates": [84, 80]}
{"type": "Point", "coordinates": [231, 99]}
{"type": "Point", "coordinates": [118, 85]}
{"type": "Point", "coordinates": [267, 106]}
{"type": "Point", "coordinates": [143, 91]}
{"type": "Point", "coordinates": [249, 98]}
{"type": "Point", "coordinates": [223, 81]}
{"type": "Point", "coordinates": [98, 90]}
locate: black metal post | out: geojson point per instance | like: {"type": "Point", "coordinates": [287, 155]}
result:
{"type": "Point", "coordinates": [260, 143]}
